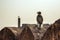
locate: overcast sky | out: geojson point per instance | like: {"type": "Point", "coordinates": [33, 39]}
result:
{"type": "Point", "coordinates": [27, 10]}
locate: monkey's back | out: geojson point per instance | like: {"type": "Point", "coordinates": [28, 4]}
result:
{"type": "Point", "coordinates": [39, 19]}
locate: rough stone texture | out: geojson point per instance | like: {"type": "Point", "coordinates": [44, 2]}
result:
{"type": "Point", "coordinates": [38, 34]}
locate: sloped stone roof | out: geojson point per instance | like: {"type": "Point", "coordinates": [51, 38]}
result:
{"type": "Point", "coordinates": [38, 34]}
{"type": "Point", "coordinates": [15, 30]}
{"type": "Point", "coordinates": [57, 21]}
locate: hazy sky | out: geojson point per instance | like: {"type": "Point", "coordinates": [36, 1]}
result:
{"type": "Point", "coordinates": [27, 10]}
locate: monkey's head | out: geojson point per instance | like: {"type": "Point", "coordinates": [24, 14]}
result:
{"type": "Point", "coordinates": [39, 12]}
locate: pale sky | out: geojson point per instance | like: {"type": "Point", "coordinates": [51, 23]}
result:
{"type": "Point", "coordinates": [27, 10]}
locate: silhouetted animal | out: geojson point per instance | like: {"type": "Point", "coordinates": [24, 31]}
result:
{"type": "Point", "coordinates": [39, 19]}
